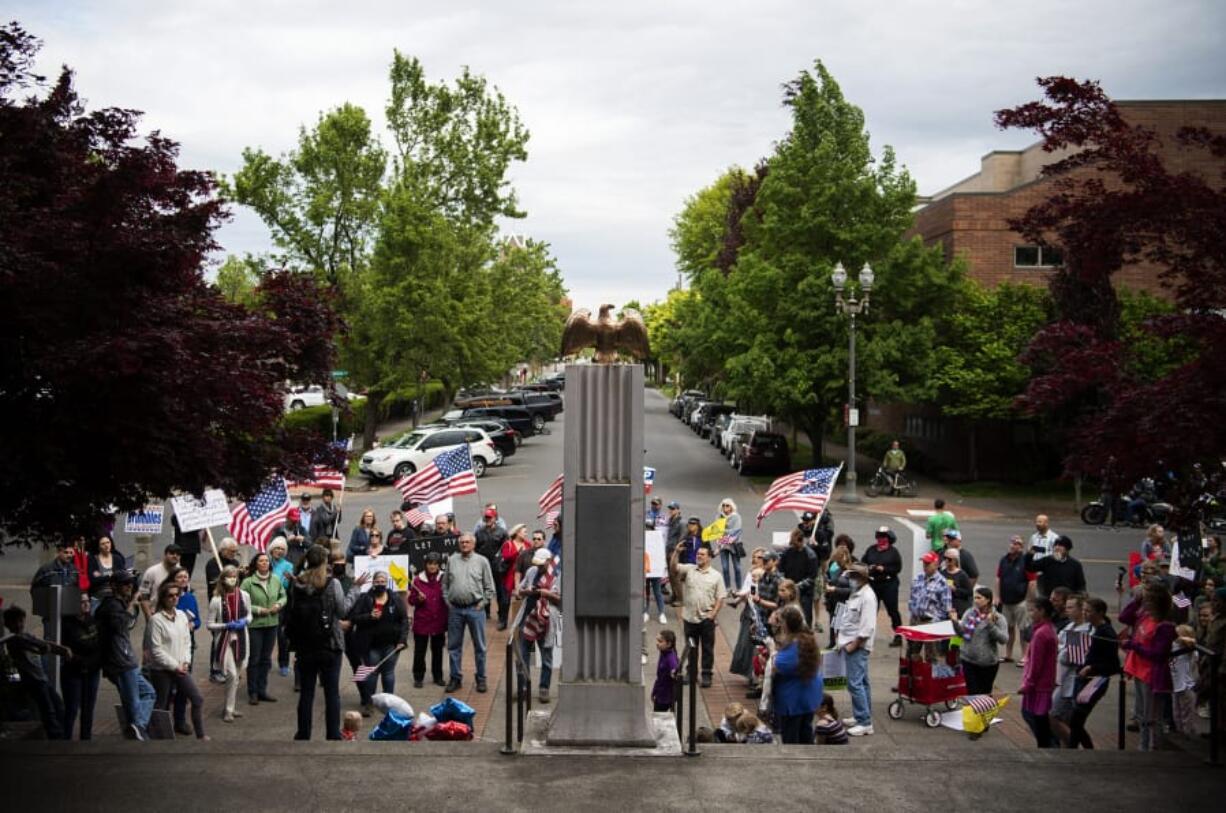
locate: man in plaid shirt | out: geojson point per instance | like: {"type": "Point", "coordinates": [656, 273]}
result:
{"type": "Point", "coordinates": [930, 600]}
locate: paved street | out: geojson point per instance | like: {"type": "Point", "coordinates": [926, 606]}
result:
{"type": "Point", "coordinates": [692, 472]}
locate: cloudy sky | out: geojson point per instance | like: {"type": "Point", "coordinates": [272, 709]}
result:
{"type": "Point", "coordinates": [632, 105]}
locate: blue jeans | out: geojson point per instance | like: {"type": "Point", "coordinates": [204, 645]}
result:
{"type": "Point", "coordinates": [324, 666]}
{"type": "Point", "coordinates": [858, 687]}
{"type": "Point", "coordinates": [137, 696]}
{"type": "Point", "coordinates": [654, 584]}
{"type": "Point", "coordinates": [525, 651]}
{"type": "Point", "coordinates": [387, 671]}
{"type": "Point", "coordinates": [726, 556]}
{"type": "Point", "coordinates": [472, 619]}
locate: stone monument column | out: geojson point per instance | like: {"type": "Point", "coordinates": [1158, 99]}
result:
{"type": "Point", "coordinates": [601, 699]}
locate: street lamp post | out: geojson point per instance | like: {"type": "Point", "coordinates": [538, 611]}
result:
{"type": "Point", "coordinates": [853, 307]}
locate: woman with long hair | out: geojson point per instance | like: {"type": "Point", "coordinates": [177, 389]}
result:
{"type": "Point", "coordinates": [172, 654]}
{"type": "Point", "coordinates": [229, 615]}
{"type": "Point", "coordinates": [983, 630]}
{"type": "Point", "coordinates": [267, 598]}
{"type": "Point", "coordinates": [381, 630]}
{"type": "Point", "coordinates": [104, 561]}
{"type": "Point", "coordinates": [317, 604]}
{"type": "Point", "coordinates": [359, 538]}
{"type": "Point", "coordinates": [729, 544]}
{"type": "Point", "coordinates": [796, 679]}
{"type": "Point", "coordinates": [187, 604]}
{"type": "Point", "coordinates": [1039, 673]}
{"type": "Point", "coordinates": [1149, 655]}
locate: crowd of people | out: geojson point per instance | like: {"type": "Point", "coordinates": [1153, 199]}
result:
{"type": "Point", "coordinates": [301, 602]}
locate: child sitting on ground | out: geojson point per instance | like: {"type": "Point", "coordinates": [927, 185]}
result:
{"type": "Point", "coordinates": [752, 730]}
{"type": "Point", "coordinates": [727, 729]}
{"type": "Point", "coordinates": [353, 724]}
{"type": "Point", "coordinates": [829, 728]}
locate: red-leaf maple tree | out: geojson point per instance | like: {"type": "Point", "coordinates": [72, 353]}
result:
{"type": "Point", "coordinates": [125, 375]}
{"type": "Point", "coordinates": [1115, 201]}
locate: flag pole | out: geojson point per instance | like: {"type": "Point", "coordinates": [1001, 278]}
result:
{"type": "Point", "coordinates": [213, 546]}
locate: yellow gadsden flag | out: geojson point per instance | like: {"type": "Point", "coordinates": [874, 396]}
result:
{"type": "Point", "coordinates": [715, 530]}
{"type": "Point", "coordinates": [398, 575]}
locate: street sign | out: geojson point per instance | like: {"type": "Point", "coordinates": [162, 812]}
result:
{"type": "Point", "coordinates": [853, 417]}
{"type": "Point", "coordinates": [337, 375]}
{"type": "Point", "coordinates": [145, 522]}
{"type": "Point", "coordinates": [195, 514]}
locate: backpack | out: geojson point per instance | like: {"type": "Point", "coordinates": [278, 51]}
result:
{"type": "Point", "coordinates": [310, 621]}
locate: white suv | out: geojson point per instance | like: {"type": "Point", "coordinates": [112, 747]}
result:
{"type": "Point", "coordinates": [413, 450]}
{"type": "Point", "coordinates": [739, 429]}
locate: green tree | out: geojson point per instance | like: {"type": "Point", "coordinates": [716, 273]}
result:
{"type": "Point", "coordinates": [822, 199]}
{"type": "Point", "coordinates": [238, 277]}
{"type": "Point", "coordinates": [698, 230]}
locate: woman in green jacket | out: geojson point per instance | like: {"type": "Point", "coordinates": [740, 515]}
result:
{"type": "Point", "coordinates": [267, 598]}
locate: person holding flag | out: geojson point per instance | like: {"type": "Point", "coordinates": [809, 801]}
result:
{"type": "Point", "coordinates": [727, 540]}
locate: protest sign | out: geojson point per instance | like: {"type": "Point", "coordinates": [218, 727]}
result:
{"type": "Point", "coordinates": [145, 522]}
{"type": "Point", "coordinates": [396, 567]}
{"type": "Point", "coordinates": [654, 564]}
{"type": "Point", "coordinates": [416, 549]}
{"type": "Point", "coordinates": [834, 669]}
{"type": "Point", "coordinates": [195, 514]}
{"type": "Point", "coordinates": [781, 539]}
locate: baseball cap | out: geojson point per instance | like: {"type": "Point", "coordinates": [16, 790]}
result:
{"type": "Point", "coordinates": [770, 556]}
{"type": "Point", "coordinates": [930, 557]}
{"type": "Point", "coordinates": [884, 530]}
{"type": "Point", "coordinates": [674, 504]}
{"type": "Point", "coordinates": [294, 514]}
{"type": "Point", "coordinates": [808, 516]}
{"type": "Point", "coordinates": [953, 533]}
{"type": "Point", "coordinates": [490, 512]}
{"type": "Point", "coordinates": [541, 556]}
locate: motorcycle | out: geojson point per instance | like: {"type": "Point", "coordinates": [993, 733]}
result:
{"type": "Point", "coordinates": [1113, 509]}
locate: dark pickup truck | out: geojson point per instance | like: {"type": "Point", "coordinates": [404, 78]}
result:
{"type": "Point", "coordinates": [542, 406]}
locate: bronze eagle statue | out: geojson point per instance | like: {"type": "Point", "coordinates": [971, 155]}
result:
{"type": "Point", "coordinates": [627, 334]}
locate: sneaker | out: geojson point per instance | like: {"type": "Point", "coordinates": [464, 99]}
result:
{"type": "Point", "coordinates": [860, 730]}
{"type": "Point", "coordinates": [453, 685]}
{"type": "Point", "coordinates": [137, 734]}
{"type": "Point", "coordinates": [284, 671]}
{"type": "Point", "coordinates": [266, 698]}
{"type": "Point", "coordinates": [646, 616]}
{"type": "Point", "coordinates": [417, 684]}
{"type": "Point", "coordinates": [366, 710]}
{"type": "Point", "coordinates": [238, 713]}
{"type": "Point", "coordinates": [663, 619]}
{"type": "Point", "coordinates": [543, 696]}
{"type": "Point", "coordinates": [705, 682]}
{"type": "Point", "coordinates": [227, 717]}
{"type": "Point", "coordinates": [481, 687]}
{"type": "Point", "coordinates": [438, 681]}
{"type": "Point", "coordinates": [849, 721]}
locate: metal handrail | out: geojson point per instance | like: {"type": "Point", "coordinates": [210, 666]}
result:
{"type": "Point", "coordinates": [508, 747]}
{"type": "Point", "coordinates": [1215, 663]}
{"type": "Point", "coordinates": [679, 691]}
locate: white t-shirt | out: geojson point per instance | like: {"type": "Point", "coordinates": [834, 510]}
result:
{"type": "Point", "coordinates": [1042, 543]}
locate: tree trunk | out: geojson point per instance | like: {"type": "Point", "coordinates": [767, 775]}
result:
{"type": "Point", "coordinates": [374, 406]}
{"type": "Point", "coordinates": [815, 433]}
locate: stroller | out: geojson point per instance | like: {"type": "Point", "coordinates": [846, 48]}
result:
{"type": "Point", "coordinates": [924, 682]}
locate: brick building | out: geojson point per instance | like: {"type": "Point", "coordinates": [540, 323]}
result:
{"type": "Point", "coordinates": [970, 218]}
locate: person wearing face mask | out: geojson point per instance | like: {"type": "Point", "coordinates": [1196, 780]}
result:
{"type": "Point", "coordinates": [381, 630]}
{"type": "Point", "coordinates": [884, 563]}
{"type": "Point", "coordinates": [983, 630]}
{"type": "Point", "coordinates": [1057, 570]}
{"type": "Point", "coordinates": [857, 629]}
{"type": "Point", "coordinates": [267, 599]}
{"type": "Point", "coordinates": [229, 615]}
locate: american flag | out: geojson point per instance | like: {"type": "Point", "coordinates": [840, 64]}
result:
{"type": "Point", "coordinates": [805, 494]}
{"type": "Point", "coordinates": [252, 522]}
{"type": "Point", "coordinates": [450, 474]}
{"type": "Point", "coordinates": [322, 477]}
{"type": "Point", "coordinates": [980, 703]}
{"type": "Point", "coordinates": [1078, 647]}
{"type": "Point", "coordinates": [791, 482]}
{"type": "Point", "coordinates": [363, 672]}
{"type": "Point", "coordinates": [1181, 601]}
{"type": "Point", "coordinates": [552, 498]}
{"type": "Point", "coordinates": [551, 519]}
{"type": "Point", "coordinates": [417, 516]}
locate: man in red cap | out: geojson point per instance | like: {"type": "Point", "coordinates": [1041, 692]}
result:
{"type": "Point", "coordinates": [490, 537]}
{"type": "Point", "coordinates": [295, 536]}
{"type": "Point", "coordinates": [930, 597]}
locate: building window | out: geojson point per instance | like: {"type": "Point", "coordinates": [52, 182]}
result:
{"type": "Point", "coordinates": [1037, 257]}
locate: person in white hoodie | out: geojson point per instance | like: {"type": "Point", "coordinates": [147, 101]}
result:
{"type": "Point", "coordinates": [171, 653]}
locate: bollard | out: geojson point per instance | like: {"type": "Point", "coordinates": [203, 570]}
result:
{"type": "Point", "coordinates": [1120, 720]}
{"type": "Point", "coordinates": [679, 705]}
{"type": "Point", "coordinates": [507, 747]}
{"type": "Point", "coordinates": [692, 645]}
{"type": "Point", "coordinates": [1215, 663]}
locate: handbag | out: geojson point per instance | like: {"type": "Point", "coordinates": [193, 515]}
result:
{"type": "Point", "coordinates": [738, 549]}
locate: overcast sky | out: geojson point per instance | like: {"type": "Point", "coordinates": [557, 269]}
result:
{"type": "Point", "coordinates": [632, 105]}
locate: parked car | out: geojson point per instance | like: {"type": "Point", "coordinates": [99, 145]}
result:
{"type": "Point", "coordinates": [679, 405]}
{"type": "Point", "coordinates": [737, 431]}
{"type": "Point", "coordinates": [520, 419]}
{"type": "Point", "coordinates": [717, 428]}
{"type": "Point", "coordinates": [709, 415]}
{"type": "Point", "coordinates": [542, 406]}
{"type": "Point", "coordinates": [700, 414]}
{"type": "Point", "coordinates": [302, 396]}
{"type": "Point", "coordinates": [416, 448]}
{"type": "Point", "coordinates": [764, 452]}
{"type": "Point", "coordinates": [505, 438]}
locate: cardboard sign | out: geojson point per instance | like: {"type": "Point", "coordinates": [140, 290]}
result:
{"type": "Point", "coordinates": [654, 564]}
{"type": "Point", "coordinates": [195, 514]}
{"type": "Point", "coordinates": [145, 522]}
{"type": "Point", "coordinates": [396, 567]}
{"type": "Point", "coordinates": [780, 540]}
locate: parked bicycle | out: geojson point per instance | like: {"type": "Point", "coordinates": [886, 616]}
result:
{"type": "Point", "coordinates": [891, 485]}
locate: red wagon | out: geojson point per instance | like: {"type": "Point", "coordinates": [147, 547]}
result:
{"type": "Point", "coordinates": [928, 683]}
